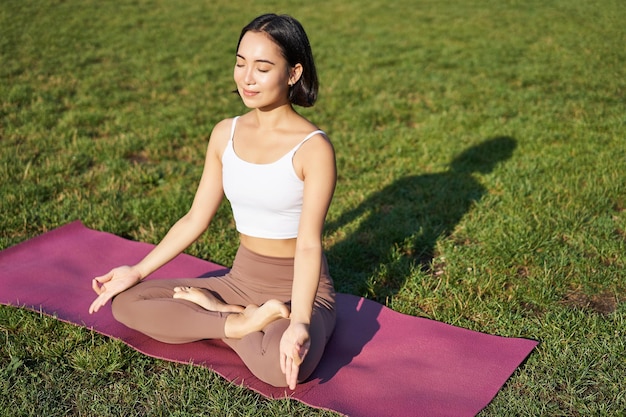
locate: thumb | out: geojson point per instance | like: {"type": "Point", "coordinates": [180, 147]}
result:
{"type": "Point", "coordinates": [95, 283]}
{"type": "Point", "coordinates": [299, 352]}
{"type": "Point", "coordinates": [105, 277]}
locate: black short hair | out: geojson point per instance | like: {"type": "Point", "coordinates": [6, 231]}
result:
{"type": "Point", "coordinates": [290, 36]}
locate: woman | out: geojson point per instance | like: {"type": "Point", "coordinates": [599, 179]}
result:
{"type": "Point", "coordinates": [275, 307]}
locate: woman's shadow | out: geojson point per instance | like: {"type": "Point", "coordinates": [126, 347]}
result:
{"type": "Point", "coordinates": [398, 227]}
{"type": "Point", "coordinates": [397, 230]}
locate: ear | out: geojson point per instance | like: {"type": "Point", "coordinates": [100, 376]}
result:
{"type": "Point", "coordinates": [295, 73]}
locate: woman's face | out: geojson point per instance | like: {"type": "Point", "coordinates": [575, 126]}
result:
{"type": "Point", "coordinates": [261, 73]}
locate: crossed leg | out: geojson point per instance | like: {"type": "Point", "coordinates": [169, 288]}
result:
{"type": "Point", "coordinates": [205, 299]}
{"type": "Point", "coordinates": [252, 318]}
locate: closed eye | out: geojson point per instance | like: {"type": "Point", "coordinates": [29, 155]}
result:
{"type": "Point", "coordinates": [264, 62]}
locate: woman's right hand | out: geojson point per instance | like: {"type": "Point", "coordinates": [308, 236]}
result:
{"type": "Point", "coordinates": [109, 285]}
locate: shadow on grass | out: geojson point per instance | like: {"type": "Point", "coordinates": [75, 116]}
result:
{"type": "Point", "coordinates": [400, 225]}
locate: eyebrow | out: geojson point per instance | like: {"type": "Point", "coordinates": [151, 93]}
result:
{"type": "Point", "coordinates": [267, 61]}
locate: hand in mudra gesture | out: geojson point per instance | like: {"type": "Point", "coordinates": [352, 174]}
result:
{"type": "Point", "coordinates": [112, 283]}
{"type": "Point", "coordinates": [294, 345]}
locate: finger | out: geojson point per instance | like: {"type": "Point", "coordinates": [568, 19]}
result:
{"type": "Point", "coordinates": [95, 283]}
{"type": "Point", "coordinates": [283, 363]}
{"type": "Point", "coordinates": [289, 373]}
{"type": "Point", "coordinates": [105, 277]}
{"type": "Point", "coordinates": [292, 379]}
{"type": "Point", "coordinates": [98, 302]}
{"type": "Point", "coordinates": [95, 306]}
{"type": "Point", "coordinates": [298, 354]}
{"type": "Point", "coordinates": [95, 286]}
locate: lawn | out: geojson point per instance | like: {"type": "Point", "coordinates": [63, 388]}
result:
{"type": "Point", "coordinates": [482, 179]}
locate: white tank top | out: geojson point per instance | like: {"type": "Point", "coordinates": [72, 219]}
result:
{"type": "Point", "coordinates": [266, 199]}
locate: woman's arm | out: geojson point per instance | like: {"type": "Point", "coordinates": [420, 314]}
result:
{"type": "Point", "coordinates": [320, 175]}
{"type": "Point", "coordinates": [182, 234]}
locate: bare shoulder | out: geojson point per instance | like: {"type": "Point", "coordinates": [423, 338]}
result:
{"type": "Point", "coordinates": [220, 135]}
{"type": "Point", "coordinates": [317, 145]}
{"type": "Point", "coordinates": [315, 155]}
{"type": "Point", "coordinates": [319, 142]}
{"type": "Point", "coordinates": [221, 131]}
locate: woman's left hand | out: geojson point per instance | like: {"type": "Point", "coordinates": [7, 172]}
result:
{"type": "Point", "coordinates": [294, 345]}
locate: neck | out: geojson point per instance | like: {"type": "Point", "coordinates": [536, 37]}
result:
{"type": "Point", "coordinates": [271, 118]}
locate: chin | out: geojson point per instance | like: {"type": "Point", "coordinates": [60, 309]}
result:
{"type": "Point", "coordinates": [250, 104]}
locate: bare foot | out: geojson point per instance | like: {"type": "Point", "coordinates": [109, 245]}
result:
{"type": "Point", "coordinates": [254, 319]}
{"type": "Point", "coordinates": [205, 300]}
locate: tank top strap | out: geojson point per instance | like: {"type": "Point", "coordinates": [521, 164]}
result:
{"type": "Point", "coordinates": [293, 150]}
{"type": "Point", "coordinates": [309, 136]}
{"type": "Point", "coordinates": [232, 129]}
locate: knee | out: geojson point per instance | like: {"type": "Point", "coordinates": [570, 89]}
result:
{"type": "Point", "coordinates": [261, 351]}
{"type": "Point", "coordinates": [266, 367]}
{"type": "Point", "coordinates": [271, 374]}
{"type": "Point", "coordinates": [120, 306]}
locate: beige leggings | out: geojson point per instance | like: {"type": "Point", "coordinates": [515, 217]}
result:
{"type": "Point", "coordinates": [150, 308]}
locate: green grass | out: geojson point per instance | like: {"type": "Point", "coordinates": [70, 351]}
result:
{"type": "Point", "coordinates": [481, 157]}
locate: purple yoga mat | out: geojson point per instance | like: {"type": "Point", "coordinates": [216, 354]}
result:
{"type": "Point", "coordinates": [378, 362]}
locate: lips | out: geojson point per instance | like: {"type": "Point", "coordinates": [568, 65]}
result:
{"type": "Point", "coordinates": [249, 93]}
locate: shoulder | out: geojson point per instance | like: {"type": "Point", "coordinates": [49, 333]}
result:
{"type": "Point", "coordinates": [318, 142]}
{"type": "Point", "coordinates": [316, 154]}
{"type": "Point", "coordinates": [222, 129]}
{"type": "Point", "coordinates": [220, 135]}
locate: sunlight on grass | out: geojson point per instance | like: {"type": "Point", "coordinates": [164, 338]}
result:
{"type": "Point", "coordinates": [481, 158]}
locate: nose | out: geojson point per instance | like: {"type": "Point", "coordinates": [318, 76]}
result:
{"type": "Point", "coordinates": [248, 77]}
